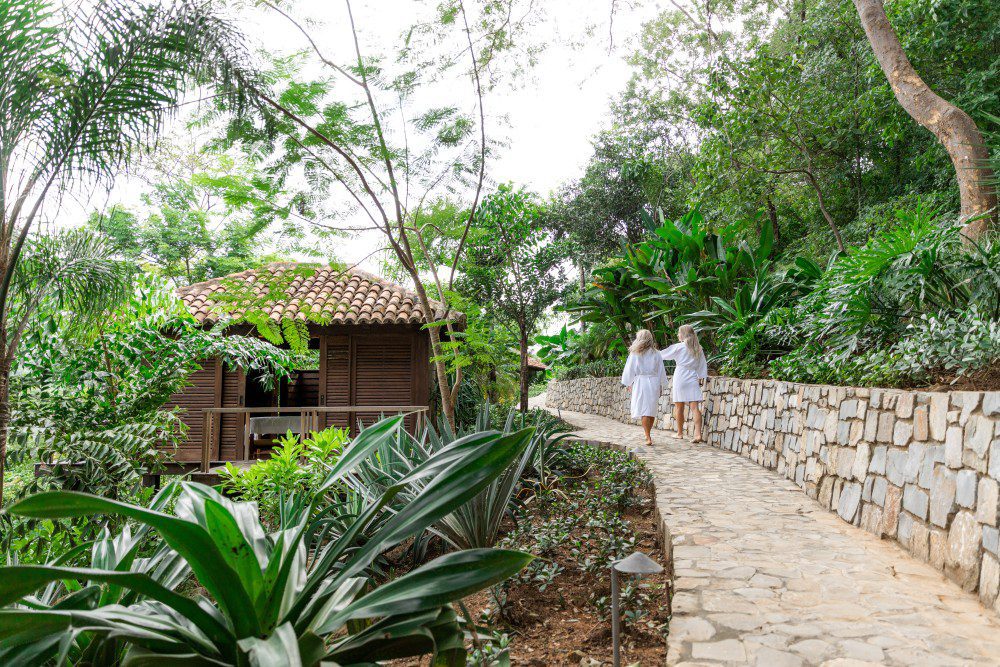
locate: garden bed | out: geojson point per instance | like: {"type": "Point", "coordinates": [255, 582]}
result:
{"type": "Point", "coordinates": [557, 611]}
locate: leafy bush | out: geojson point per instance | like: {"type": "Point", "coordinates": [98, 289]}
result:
{"type": "Point", "coordinates": [594, 369]}
{"type": "Point", "coordinates": [295, 466]}
{"type": "Point", "coordinates": [303, 593]}
{"type": "Point", "coordinates": [884, 314]}
{"type": "Point", "coordinates": [949, 344]}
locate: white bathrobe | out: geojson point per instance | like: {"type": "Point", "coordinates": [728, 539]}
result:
{"type": "Point", "coordinates": [646, 375]}
{"type": "Point", "coordinates": [689, 370]}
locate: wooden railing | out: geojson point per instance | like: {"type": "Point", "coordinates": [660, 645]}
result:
{"type": "Point", "coordinates": [309, 416]}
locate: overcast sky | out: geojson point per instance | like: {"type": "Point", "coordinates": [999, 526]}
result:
{"type": "Point", "coordinates": [547, 118]}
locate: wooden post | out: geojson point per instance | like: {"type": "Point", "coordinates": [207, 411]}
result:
{"type": "Point", "coordinates": [206, 439]}
{"type": "Point", "coordinates": [246, 436]}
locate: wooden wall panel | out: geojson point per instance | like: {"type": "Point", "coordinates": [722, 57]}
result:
{"type": "Point", "coordinates": [336, 369]}
{"type": "Point", "coordinates": [383, 372]}
{"type": "Point", "coordinates": [233, 396]}
{"type": "Point", "coordinates": [200, 394]}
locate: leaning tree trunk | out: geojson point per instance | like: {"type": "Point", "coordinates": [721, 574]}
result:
{"type": "Point", "coordinates": [4, 420]}
{"type": "Point", "coordinates": [954, 128]}
{"type": "Point", "coordinates": [524, 369]}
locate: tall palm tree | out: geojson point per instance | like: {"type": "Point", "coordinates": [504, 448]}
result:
{"type": "Point", "coordinates": [82, 88]}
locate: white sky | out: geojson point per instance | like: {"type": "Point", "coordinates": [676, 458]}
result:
{"type": "Point", "coordinates": [546, 120]}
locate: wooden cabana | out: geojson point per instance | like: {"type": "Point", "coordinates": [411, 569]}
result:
{"type": "Point", "coordinates": [373, 359]}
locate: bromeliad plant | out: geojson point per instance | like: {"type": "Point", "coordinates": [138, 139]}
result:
{"type": "Point", "coordinates": [303, 595]}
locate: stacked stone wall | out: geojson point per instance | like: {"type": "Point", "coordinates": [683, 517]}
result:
{"type": "Point", "coordinates": [920, 468]}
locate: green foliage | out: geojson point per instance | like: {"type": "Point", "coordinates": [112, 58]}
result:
{"type": "Point", "coordinates": [558, 348]}
{"type": "Point", "coordinates": [95, 398]}
{"type": "Point", "coordinates": [298, 593]}
{"type": "Point", "coordinates": [296, 466]}
{"type": "Point", "coordinates": [514, 266]}
{"type": "Point", "coordinates": [937, 347]}
{"type": "Point", "coordinates": [790, 108]}
{"type": "Point", "coordinates": [475, 524]}
{"type": "Point", "coordinates": [593, 369]}
{"type": "Point", "coordinates": [209, 222]}
{"type": "Point", "coordinates": [912, 305]}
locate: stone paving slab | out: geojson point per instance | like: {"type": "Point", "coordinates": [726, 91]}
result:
{"type": "Point", "coordinates": [765, 576]}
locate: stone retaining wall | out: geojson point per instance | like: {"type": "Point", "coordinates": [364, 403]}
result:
{"type": "Point", "coordinates": [920, 468]}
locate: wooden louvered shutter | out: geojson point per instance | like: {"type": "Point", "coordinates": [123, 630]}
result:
{"type": "Point", "coordinates": [233, 396]}
{"type": "Point", "coordinates": [383, 372]}
{"type": "Point", "coordinates": [201, 393]}
{"type": "Point", "coordinates": [335, 378]}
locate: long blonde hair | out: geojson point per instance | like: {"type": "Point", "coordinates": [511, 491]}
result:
{"type": "Point", "coordinates": [689, 337]}
{"type": "Point", "coordinates": [643, 341]}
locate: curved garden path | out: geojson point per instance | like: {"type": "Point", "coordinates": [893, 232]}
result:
{"type": "Point", "coordinates": [765, 576]}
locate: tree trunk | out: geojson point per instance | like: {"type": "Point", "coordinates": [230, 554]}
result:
{"type": "Point", "coordinates": [524, 368]}
{"type": "Point", "coordinates": [954, 128]}
{"type": "Point", "coordinates": [826, 214]}
{"type": "Point", "coordinates": [4, 420]}
{"type": "Point", "coordinates": [444, 387]}
{"type": "Point", "coordinates": [772, 215]}
{"type": "Point", "coordinates": [583, 288]}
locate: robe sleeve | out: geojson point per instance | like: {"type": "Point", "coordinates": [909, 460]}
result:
{"type": "Point", "coordinates": [672, 352]}
{"type": "Point", "coordinates": [703, 366]}
{"type": "Point", "coordinates": [663, 373]}
{"type": "Point", "coordinates": [628, 374]}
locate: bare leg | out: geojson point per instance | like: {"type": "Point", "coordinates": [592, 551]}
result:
{"type": "Point", "coordinates": [696, 418]}
{"type": "Point", "coordinates": [647, 426]}
{"type": "Point", "coordinates": [679, 418]}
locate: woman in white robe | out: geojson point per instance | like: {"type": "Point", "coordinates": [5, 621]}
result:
{"type": "Point", "coordinates": [644, 375]}
{"type": "Point", "coordinates": [692, 368]}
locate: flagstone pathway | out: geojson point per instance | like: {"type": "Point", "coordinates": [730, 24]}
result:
{"type": "Point", "coordinates": [765, 576]}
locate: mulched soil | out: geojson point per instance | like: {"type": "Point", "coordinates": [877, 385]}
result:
{"type": "Point", "coordinates": [560, 626]}
{"type": "Point", "coordinates": [987, 379]}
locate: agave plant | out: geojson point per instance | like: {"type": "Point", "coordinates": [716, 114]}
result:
{"type": "Point", "coordinates": [301, 596]}
{"type": "Point", "coordinates": [476, 523]}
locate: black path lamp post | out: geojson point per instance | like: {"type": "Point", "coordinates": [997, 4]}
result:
{"type": "Point", "coordinates": [638, 565]}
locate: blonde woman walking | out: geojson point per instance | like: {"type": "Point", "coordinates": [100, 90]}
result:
{"type": "Point", "coordinates": [692, 367]}
{"type": "Point", "coordinates": [644, 375]}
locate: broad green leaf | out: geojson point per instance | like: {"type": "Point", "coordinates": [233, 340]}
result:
{"type": "Point", "coordinates": [437, 583]}
{"type": "Point", "coordinates": [187, 538]}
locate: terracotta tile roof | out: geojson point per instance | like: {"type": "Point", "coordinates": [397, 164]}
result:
{"type": "Point", "coordinates": [309, 293]}
{"type": "Point", "coordinates": [536, 364]}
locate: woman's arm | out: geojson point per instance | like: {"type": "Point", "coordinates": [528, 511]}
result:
{"type": "Point", "coordinates": [672, 352]}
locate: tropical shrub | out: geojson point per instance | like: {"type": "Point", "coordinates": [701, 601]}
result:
{"type": "Point", "coordinates": [296, 466]}
{"type": "Point", "coordinates": [891, 311]}
{"type": "Point", "coordinates": [948, 345]}
{"type": "Point", "coordinates": [594, 369]}
{"type": "Point", "coordinates": [301, 595]}
{"type": "Point", "coordinates": [95, 398]}
{"type": "Point", "coordinates": [558, 348]}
